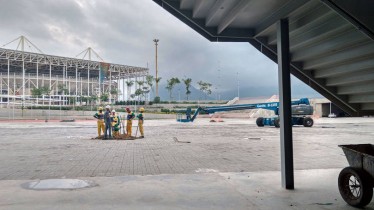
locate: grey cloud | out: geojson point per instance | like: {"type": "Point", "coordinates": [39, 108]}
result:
{"type": "Point", "coordinates": [122, 32]}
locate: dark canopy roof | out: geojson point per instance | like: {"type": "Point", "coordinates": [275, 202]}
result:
{"type": "Point", "coordinates": [331, 41]}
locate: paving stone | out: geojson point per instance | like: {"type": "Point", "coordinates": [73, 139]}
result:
{"type": "Point", "coordinates": [235, 145]}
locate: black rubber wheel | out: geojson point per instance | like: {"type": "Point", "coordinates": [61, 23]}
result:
{"type": "Point", "coordinates": [277, 122]}
{"type": "Point", "coordinates": [308, 122]}
{"type": "Point", "coordinates": [260, 122]}
{"type": "Point", "coordinates": [355, 187]}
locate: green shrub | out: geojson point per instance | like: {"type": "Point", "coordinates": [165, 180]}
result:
{"type": "Point", "coordinates": [167, 111]}
{"type": "Point", "coordinates": [157, 100]}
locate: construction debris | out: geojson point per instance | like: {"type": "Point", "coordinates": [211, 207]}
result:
{"type": "Point", "coordinates": [176, 140]}
{"type": "Point", "coordinates": [120, 137]}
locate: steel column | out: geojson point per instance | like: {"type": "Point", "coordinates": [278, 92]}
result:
{"type": "Point", "coordinates": [8, 82]}
{"type": "Point", "coordinates": [37, 74]}
{"type": "Point", "coordinates": [88, 80]}
{"type": "Point", "coordinates": [14, 86]}
{"type": "Point", "coordinates": [1, 87]}
{"type": "Point", "coordinates": [29, 86]}
{"type": "Point", "coordinates": [23, 77]}
{"type": "Point", "coordinates": [69, 88]}
{"type": "Point", "coordinates": [63, 84]}
{"type": "Point", "coordinates": [110, 87]}
{"type": "Point", "coordinates": [118, 88]}
{"type": "Point", "coordinates": [56, 85]}
{"type": "Point", "coordinates": [50, 83]}
{"type": "Point", "coordinates": [284, 80]}
{"type": "Point", "coordinates": [76, 83]}
{"type": "Point", "coordinates": [81, 85]}
{"type": "Point", "coordinates": [100, 79]}
{"type": "Point", "coordinates": [123, 89]}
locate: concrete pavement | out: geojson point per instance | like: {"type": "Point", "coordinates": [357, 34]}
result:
{"type": "Point", "coordinates": [316, 189]}
{"type": "Point", "coordinates": [229, 165]}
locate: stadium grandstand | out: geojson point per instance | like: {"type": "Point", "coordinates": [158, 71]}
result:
{"type": "Point", "coordinates": [35, 78]}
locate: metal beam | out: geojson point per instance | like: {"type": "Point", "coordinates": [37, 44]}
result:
{"type": "Point", "coordinates": [353, 78]}
{"type": "Point", "coordinates": [231, 16]}
{"type": "Point", "coordinates": [349, 18]}
{"type": "Point", "coordinates": [315, 18]}
{"type": "Point", "coordinates": [365, 49]}
{"type": "Point", "coordinates": [317, 34]}
{"type": "Point", "coordinates": [210, 33]}
{"type": "Point", "coordinates": [362, 88]}
{"type": "Point", "coordinates": [345, 68]}
{"type": "Point", "coordinates": [307, 78]}
{"type": "Point", "coordinates": [284, 80]}
{"type": "Point", "coordinates": [197, 7]}
{"type": "Point", "coordinates": [214, 11]}
{"type": "Point", "coordinates": [282, 12]}
{"type": "Point", "coordinates": [184, 3]}
{"type": "Point", "coordinates": [367, 106]}
{"type": "Point", "coordinates": [367, 98]}
{"type": "Point", "coordinates": [329, 45]}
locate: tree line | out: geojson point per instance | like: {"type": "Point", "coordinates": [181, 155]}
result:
{"type": "Point", "coordinates": [143, 88]}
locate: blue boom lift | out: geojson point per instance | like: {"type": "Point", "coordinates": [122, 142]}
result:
{"type": "Point", "coordinates": [300, 110]}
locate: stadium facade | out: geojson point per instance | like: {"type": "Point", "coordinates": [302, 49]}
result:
{"type": "Point", "coordinates": [63, 77]}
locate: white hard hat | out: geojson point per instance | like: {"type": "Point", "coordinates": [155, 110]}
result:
{"type": "Point", "coordinates": [107, 107]}
{"type": "Point", "coordinates": [113, 110]}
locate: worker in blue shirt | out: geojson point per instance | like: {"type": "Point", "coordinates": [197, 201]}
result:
{"type": "Point", "coordinates": [188, 113]}
{"type": "Point", "coordinates": [108, 123]}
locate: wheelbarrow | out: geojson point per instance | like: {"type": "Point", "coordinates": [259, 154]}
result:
{"type": "Point", "coordinates": [356, 182]}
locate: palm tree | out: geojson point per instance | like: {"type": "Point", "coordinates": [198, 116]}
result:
{"type": "Point", "coordinates": [187, 82]}
{"type": "Point", "coordinates": [104, 97]}
{"type": "Point", "coordinates": [36, 92]}
{"type": "Point", "coordinates": [129, 84]}
{"type": "Point", "coordinates": [170, 85]}
{"type": "Point", "coordinates": [205, 87]}
{"type": "Point", "coordinates": [93, 98]}
{"type": "Point", "coordinates": [138, 92]}
{"type": "Point", "coordinates": [149, 80]}
{"type": "Point", "coordinates": [114, 92]}
{"type": "Point", "coordinates": [63, 89]}
{"type": "Point", "coordinates": [140, 88]}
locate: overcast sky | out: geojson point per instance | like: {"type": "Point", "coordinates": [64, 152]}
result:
{"type": "Point", "coordinates": [122, 31]}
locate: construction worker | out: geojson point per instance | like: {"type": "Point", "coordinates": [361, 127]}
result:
{"type": "Point", "coordinates": [141, 122]}
{"type": "Point", "coordinates": [188, 113]}
{"type": "Point", "coordinates": [100, 121]}
{"type": "Point", "coordinates": [108, 123]}
{"type": "Point", "coordinates": [115, 123]}
{"type": "Point", "coordinates": [130, 117]}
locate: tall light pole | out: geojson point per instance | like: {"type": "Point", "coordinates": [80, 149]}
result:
{"type": "Point", "coordinates": [156, 43]}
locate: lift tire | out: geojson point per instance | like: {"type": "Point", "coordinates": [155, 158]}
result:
{"type": "Point", "coordinates": [260, 122]}
{"type": "Point", "coordinates": [355, 186]}
{"type": "Point", "coordinates": [308, 122]}
{"type": "Point", "coordinates": [277, 122]}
